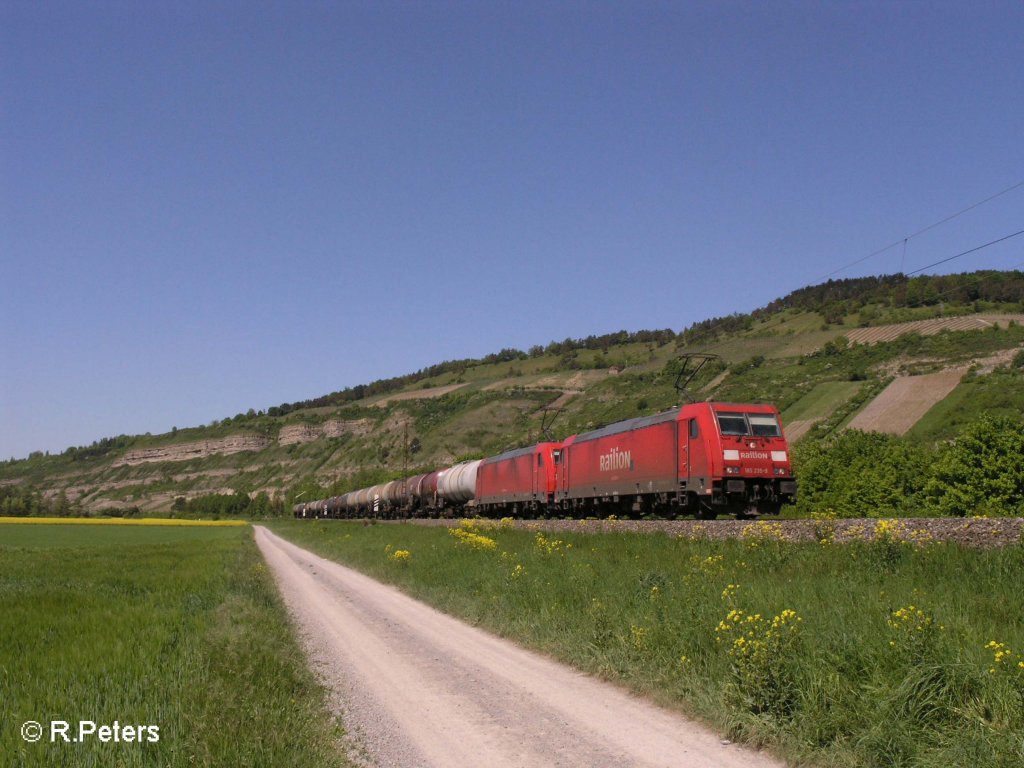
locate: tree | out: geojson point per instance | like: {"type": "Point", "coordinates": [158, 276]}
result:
{"type": "Point", "coordinates": [861, 474]}
{"type": "Point", "coordinates": [981, 471]}
{"type": "Point", "coordinates": [62, 507]}
{"type": "Point", "coordinates": [260, 505]}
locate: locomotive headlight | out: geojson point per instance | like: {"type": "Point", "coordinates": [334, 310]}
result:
{"type": "Point", "coordinates": [732, 470]}
{"type": "Point", "coordinates": [780, 471]}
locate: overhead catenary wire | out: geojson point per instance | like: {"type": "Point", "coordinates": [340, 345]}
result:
{"type": "Point", "coordinates": [930, 227]}
{"type": "Point", "coordinates": [964, 253]}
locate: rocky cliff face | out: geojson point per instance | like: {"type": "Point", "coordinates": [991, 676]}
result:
{"type": "Point", "coordinates": [196, 450]}
{"type": "Point", "coordinates": [290, 435]}
{"type": "Point", "coordinates": [307, 433]}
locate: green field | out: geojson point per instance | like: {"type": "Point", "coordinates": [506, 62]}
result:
{"type": "Point", "coordinates": [174, 627]}
{"type": "Point", "coordinates": [998, 394]}
{"type": "Point", "coordinates": [822, 401]}
{"type": "Point", "coordinates": [884, 661]}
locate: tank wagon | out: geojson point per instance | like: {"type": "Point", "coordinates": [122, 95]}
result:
{"type": "Point", "coordinates": [703, 459]}
{"type": "Point", "coordinates": [457, 485]}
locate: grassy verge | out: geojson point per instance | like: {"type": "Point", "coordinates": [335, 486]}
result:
{"type": "Point", "coordinates": [177, 627]}
{"type": "Point", "coordinates": [866, 654]}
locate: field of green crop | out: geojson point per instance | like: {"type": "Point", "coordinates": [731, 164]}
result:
{"type": "Point", "coordinates": [822, 401]}
{"type": "Point", "coordinates": [876, 653]}
{"type": "Point", "coordinates": [174, 627]}
{"type": "Point", "coordinates": [998, 394]}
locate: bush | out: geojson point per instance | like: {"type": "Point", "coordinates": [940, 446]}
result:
{"type": "Point", "coordinates": [861, 474]}
{"type": "Point", "coordinates": [746, 365]}
{"type": "Point", "coordinates": [981, 471]}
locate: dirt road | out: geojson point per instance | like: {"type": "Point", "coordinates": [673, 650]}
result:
{"type": "Point", "coordinates": [419, 688]}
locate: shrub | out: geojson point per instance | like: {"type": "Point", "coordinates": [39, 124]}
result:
{"type": "Point", "coordinates": [981, 471]}
{"type": "Point", "coordinates": [747, 365]}
{"type": "Point", "coordinates": [861, 474]}
{"type": "Point", "coordinates": [466, 536]}
{"type": "Point", "coordinates": [761, 652]}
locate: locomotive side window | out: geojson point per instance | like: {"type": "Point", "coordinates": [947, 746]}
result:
{"type": "Point", "coordinates": [558, 457]}
{"type": "Point", "coordinates": [694, 431]}
{"type": "Point", "coordinates": [540, 459]}
{"type": "Point", "coordinates": [764, 425]}
{"type": "Point", "coordinates": [732, 424]}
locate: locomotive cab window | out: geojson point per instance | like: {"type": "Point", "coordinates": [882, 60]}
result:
{"type": "Point", "coordinates": [764, 425]}
{"type": "Point", "coordinates": [747, 424]}
{"type": "Point", "coordinates": [694, 430]}
{"type": "Point", "coordinates": [733, 424]}
{"type": "Point", "coordinates": [558, 456]}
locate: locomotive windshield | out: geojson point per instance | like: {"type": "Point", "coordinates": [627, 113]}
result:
{"type": "Point", "coordinates": [749, 424]}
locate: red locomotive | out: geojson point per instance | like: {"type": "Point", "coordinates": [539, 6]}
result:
{"type": "Point", "coordinates": [703, 459]}
{"type": "Point", "coordinates": [520, 481]}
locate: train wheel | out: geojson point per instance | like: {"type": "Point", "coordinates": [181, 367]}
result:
{"type": "Point", "coordinates": [705, 512]}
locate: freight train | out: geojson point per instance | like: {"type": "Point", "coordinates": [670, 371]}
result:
{"type": "Point", "coordinates": [701, 459]}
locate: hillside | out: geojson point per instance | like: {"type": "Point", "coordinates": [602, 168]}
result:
{"type": "Point", "coordinates": [823, 354]}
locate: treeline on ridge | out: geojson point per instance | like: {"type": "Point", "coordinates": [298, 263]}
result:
{"type": "Point", "coordinates": [835, 299]}
{"type": "Point", "coordinates": [459, 367]}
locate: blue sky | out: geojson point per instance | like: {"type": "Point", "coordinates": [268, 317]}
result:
{"type": "Point", "coordinates": [207, 207]}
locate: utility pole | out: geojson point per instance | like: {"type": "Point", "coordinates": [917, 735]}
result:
{"type": "Point", "coordinates": [405, 454]}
